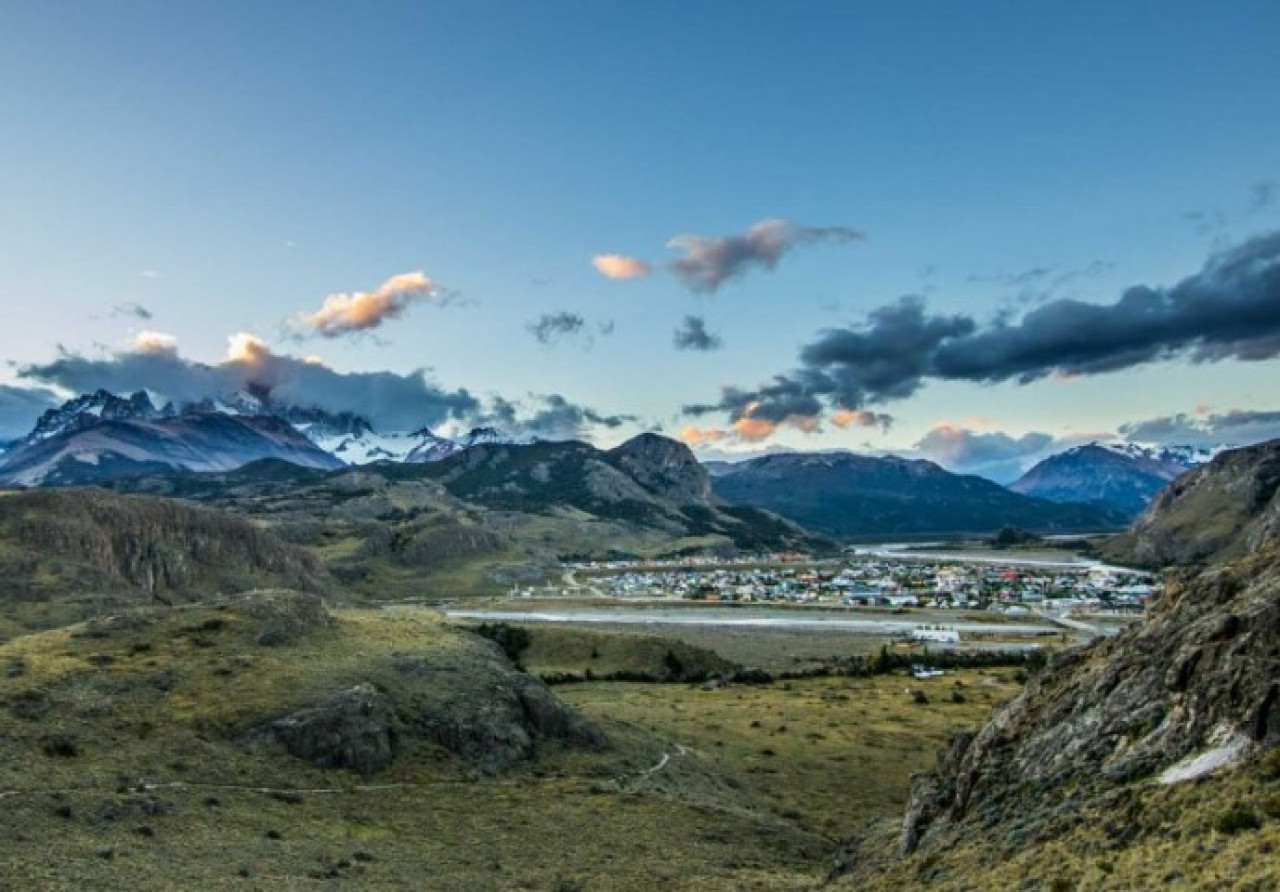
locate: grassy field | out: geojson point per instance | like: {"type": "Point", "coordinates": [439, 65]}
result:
{"type": "Point", "coordinates": [821, 753]}
{"type": "Point", "coordinates": [128, 760]}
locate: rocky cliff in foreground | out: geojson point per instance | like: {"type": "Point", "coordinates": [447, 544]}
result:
{"type": "Point", "coordinates": [1158, 749]}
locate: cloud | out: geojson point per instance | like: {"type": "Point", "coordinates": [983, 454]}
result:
{"type": "Point", "coordinates": [361, 311]}
{"type": "Point", "coordinates": [389, 400]}
{"type": "Point", "coordinates": [1230, 309]}
{"type": "Point", "coordinates": [20, 407]}
{"type": "Point", "coordinates": [553, 326]}
{"type": "Point", "coordinates": [995, 455]}
{"type": "Point", "coordinates": [554, 418]}
{"type": "Point", "coordinates": [707, 263]}
{"type": "Point", "coordinates": [155, 342]}
{"type": "Point", "coordinates": [693, 335]}
{"type": "Point", "coordinates": [1238, 427]}
{"type": "Point", "coordinates": [619, 266]}
{"type": "Point", "coordinates": [138, 311]}
{"type": "Point", "coordinates": [698, 436]}
{"type": "Point", "coordinates": [846, 418]}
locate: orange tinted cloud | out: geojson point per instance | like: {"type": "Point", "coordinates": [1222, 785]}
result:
{"type": "Point", "coordinates": [155, 342]}
{"type": "Point", "coordinates": [619, 266]}
{"type": "Point", "coordinates": [343, 314]}
{"type": "Point", "coordinates": [844, 418]}
{"type": "Point", "coordinates": [699, 436]}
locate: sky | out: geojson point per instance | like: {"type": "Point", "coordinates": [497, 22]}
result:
{"type": "Point", "coordinates": [976, 232]}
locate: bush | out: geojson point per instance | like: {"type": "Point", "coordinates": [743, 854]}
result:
{"type": "Point", "coordinates": [1237, 819]}
{"type": "Point", "coordinates": [512, 639]}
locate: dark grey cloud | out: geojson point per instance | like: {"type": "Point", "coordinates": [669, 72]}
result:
{"type": "Point", "coordinates": [389, 400]}
{"type": "Point", "coordinates": [20, 407]}
{"type": "Point", "coordinates": [1237, 427]}
{"type": "Point", "coordinates": [138, 311]}
{"type": "Point", "coordinates": [1230, 309]}
{"type": "Point", "coordinates": [693, 335]}
{"type": "Point", "coordinates": [708, 262]}
{"type": "Point", "coordinates": [553, 418]}
{"type": "Point", "coordinates": [550, 327]}
{"type": "Point", "coordinates": [992, 454]}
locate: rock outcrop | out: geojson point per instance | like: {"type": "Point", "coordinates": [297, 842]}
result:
{"type": "Point", "coordinates": [351, 730]}
{"type": "Point", "coordinates": [470, 702]}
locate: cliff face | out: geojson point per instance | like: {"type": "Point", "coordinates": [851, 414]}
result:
{"type": "Point", "coordinates": [69, 543]}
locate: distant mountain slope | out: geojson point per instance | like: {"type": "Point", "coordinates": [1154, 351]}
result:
{"type": "Point", "coordinates": [68, 553]}
{"type": "Point", "coordinates": [849, 496]}
{"type": "Point", "coordinates": [1124, 479]}
{"type": "Point", "coordinates": [491, 516]}
{"type": "Point", "coordinates": [1225, 509]}
{"type": "Point", "coordinates": [1141, 746]}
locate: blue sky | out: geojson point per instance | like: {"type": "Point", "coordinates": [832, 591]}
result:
{"type": "Point", "coordinates": [228, 166]}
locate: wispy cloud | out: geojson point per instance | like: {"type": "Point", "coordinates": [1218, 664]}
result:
{"type": "Point", "coordinates": [693, 335]}
{"type": "Point", "coordinates": [137, 311]}
{"type": "Point", "coordinates": [362, 311]}
{"type": "Point", "coordinates": [620, 266]}
{"type": "Point", "coordinates": [551, 327]}
{"type": "Point", "coordinates": [706, 262]}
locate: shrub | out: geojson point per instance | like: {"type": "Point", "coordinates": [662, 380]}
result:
{"type": "Point", "coordinates": [1237, 819]}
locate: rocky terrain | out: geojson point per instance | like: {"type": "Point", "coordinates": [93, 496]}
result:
{"type": "Point", "coordinates": [1158, 746]}
{"type": "Point", "coordinates": [849, 496]}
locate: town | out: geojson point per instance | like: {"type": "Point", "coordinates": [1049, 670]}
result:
{"type": "Point", "coordinates": [898, 580]}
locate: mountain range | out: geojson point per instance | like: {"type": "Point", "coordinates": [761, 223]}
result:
{"type": "Point", "coordinates": [101, 436]}
{"type": "Point", "coordinates": [848, 496]}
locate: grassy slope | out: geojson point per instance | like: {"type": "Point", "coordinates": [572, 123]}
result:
{"type": "Point", "coordinates": [161, 794]}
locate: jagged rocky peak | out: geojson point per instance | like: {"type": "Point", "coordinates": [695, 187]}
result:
{"type": "Point", "coordinates": [90, 408]}
{"type": "Point", "coordinates": [664, 466]}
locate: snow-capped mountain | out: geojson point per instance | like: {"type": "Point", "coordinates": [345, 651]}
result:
{"type": "Point", "coordinates": [1187, 456]}
{"type": "Point", "coordinates": [101, 435]}
{"type": "Point", "coordinates": [91, 408]}
{"type": "Point", "coordinates": [1120, 474]}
